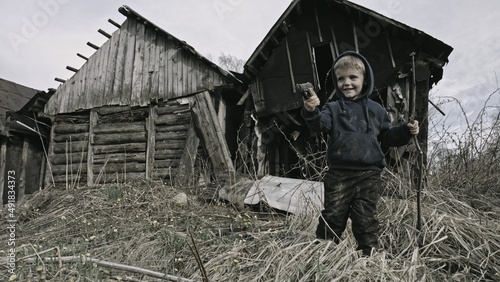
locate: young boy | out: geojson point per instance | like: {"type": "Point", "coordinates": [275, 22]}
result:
{"type": "Point", "coordinates": [357, 127]}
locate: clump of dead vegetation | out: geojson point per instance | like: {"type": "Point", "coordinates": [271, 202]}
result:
{"type": "Point", "coordinates": [142, 227]}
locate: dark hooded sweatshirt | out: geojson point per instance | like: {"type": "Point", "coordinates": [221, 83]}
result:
{"type": "Point", "coordinates": [358, 127]}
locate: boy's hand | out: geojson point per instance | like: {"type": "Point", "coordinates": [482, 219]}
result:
{"type": "Point", "coordinates": [312, 102]}
{"type": "Point", "coordinates": [413, 126]}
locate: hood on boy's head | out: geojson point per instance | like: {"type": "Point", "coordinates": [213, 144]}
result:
{"type": "Point", "coordinates": [368, 84]}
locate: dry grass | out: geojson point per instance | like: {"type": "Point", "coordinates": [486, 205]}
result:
{"type": "Point", "coordinates": [138, 224]}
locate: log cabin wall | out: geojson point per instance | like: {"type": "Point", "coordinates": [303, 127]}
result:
{"type": "Point", "coordinates": [116, 144]}
{"type": "Point", "coordinates": [171, 125]}
{"type": "Point", "coordinates": [68, 150]}
{"type": "Point", "coordinates": [111, 144]}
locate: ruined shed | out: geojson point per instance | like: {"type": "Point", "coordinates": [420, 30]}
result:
{"type": "Point", "coordinates": [23, 138]}
{"type": "Point", "coordinates": [301, 47]}
{"type": "Point", "coordinates": [142, 106]}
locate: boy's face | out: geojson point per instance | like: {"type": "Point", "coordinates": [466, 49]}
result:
{"type": "Point", "coordinates": [350, 81]}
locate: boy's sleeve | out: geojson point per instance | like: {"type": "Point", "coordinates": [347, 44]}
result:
{"type": "Point", "coordinates": [318, 120]}
{"type": "Point", "coordinates": [394, 136]}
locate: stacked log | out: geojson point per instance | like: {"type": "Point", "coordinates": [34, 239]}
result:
{"type": "Point", "coordinates": [68, 156]}
{"type": "Point", "coordinates": [119, 144]}
{"type": "Point", "coordinates": [171, 126]}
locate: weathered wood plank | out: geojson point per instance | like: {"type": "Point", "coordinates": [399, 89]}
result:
{"type": "Point", "coordinates": [120, 66]}
{"type": "Point", "coordinates": [3, 161]}
{"type": "Point", "coordinates": [109, 110]}
{"type": "Point", "coordinates": [70, 128]}
{"type": "Point", "coordinates": [173, 109]}
{"type": "Point", "coordinates": [93, 117]}
{"type": "Point", "coordinates": [131, 115]}
{"type": "Point", "coordinates": [168, 154]}
{"type": "Point", "coordinates": [162, 70]}
{"type": "Point", "coordinates": [126, 92]}
{"type": "Point", "coordinates": [119, 138]}
{"type": "Point", "coordinates": [214, 142]}
{"type": "Point", "coordinates": [92, 70]}
{"type": "Point", "coordinates": [170, 128]}
{"type": "Point", "coordinates": [120, 127]}
{"type": "Point", "coordinates": [59, 159]}
{"type": "Point", "coordinates": [146, 70]}
{"type": "Point", "coordinates": [170, 144]}
{"type": "Point", "coordinates": [110, 74]}
{"type": "Point", "coordinates": [151, 139]}
{"type": "Point", "coordinates": [154, 62]}
{"type": "Point", "coordinates": [50, 154]}
{"type": "Point", "coordinates": [138, 74]}
{"type": "Point", "coordinates": [119, 158]}
{"type": "Point", "coordinates": [166, 164]}
{"type": "Point", "coordinates": [74, 118]}
{"type": "Point", "coordinates": [169, 60]}
{"type": "Point", "coordinates": [71, 137]}
{"type": "Point", "coordinates": [173, 119]}
{"type": "Point", "coordinates": [120, 167]}
{"type": "Point", "coordinates": [70, 147]}
{"type": "Point", "coordinates": [100, 82]}
{"type": "Point", "coordinates": [69, 168]}
{"type": "Point", "coordinates": [185, 170]}
{"type": "Point", "coordinates": [169, 136]}
{"type": "Point", "coordinates": [121, 148]}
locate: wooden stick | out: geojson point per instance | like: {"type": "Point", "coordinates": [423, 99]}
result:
{"type": "Point", "coordinates": [114, 23]}
{"type": "Point", "coordinates": [71, 68]}
{"type": "Point", "coordinates": [93, 45]}
{"type": "Point", "coordinates": [104, 33]}
{"type": "Point", "coordinates": [82, 56]}
{"type": "Point", "coordinates": [108, 264]}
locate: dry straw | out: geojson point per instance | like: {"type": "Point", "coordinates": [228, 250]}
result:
{"type": "Point", "coordinates": [139, 225]}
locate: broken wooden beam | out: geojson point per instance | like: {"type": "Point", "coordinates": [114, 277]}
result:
{"type": "Point", "coordinates": [71, 68]}
{"type": "Point", "coordinates": [82, 56]}
{"type": "Point", "coordinates": [114, 23]}
{"type": "Point", "coordinates": [93, 45]}
{"type": "Point", "coordinates": [104, 33]}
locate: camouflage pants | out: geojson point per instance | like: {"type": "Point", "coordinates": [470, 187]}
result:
{"type": "Point", "coordinates": [351, 194]}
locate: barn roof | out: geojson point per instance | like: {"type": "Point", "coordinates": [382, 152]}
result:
{"type": "Point", "coordinates": [435, 50]}
{"type": "Point", "coordinates": [13, 97]}
{"type": "Point", "coordinates": [139, 63]}
{"type": "Point", "coordinates": [129, 12]}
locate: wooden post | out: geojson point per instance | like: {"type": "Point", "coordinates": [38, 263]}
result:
{"type": "Point", "coordinates": [22, 170]}
{"type": "Point", "coordinates": [289, 59]}
{"type": "Point", "coordinates": [49, 177]}
{"type": "Point", "coordinates": [222, 115]}
{"type": "Point", "coordinates": [215, 144]}
{"type": "Point", "coordinates": [316, 81]}
{"type": "Point", "coordinates": [151, 140]}
{"type": "Point", "coordinates": [318, 25]}
{"type": "Point", "coordinates": [3, 161]}
{"type": "Point", "coordinates": [185, 172]}
{"type": "Point", "coordinates": [93, 116]}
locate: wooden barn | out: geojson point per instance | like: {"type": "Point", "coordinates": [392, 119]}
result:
{"type": "Point", "coordinates": [144, 105]}
{"type": "Point", "coordinates": [301, 47]}
{"type": "Point", "coordinates": [23, 138]}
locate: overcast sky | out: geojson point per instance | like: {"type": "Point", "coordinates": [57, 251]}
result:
{"type": "Point", "coordinates": [39, 38]}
